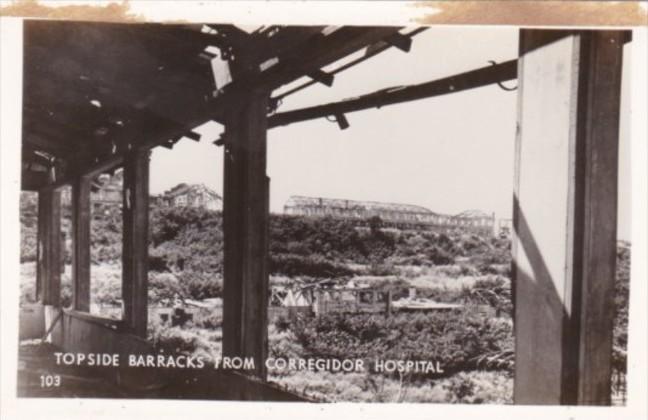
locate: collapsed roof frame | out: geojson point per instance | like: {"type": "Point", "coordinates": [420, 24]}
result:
{"type": "Point", "coordinates": [172, 91]}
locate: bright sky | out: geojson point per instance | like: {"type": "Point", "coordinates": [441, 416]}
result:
{"type": "Point", "coordinates": [450, 153]}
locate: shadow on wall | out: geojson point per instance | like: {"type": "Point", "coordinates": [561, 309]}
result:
{"type": "Point", "coordinates": [546, 324]}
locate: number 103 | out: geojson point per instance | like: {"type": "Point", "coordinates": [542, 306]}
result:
{"type": "Point", "coordinates": [48, 381]}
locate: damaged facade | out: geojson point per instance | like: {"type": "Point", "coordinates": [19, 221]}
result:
{"type": "Point", "coordinates": [192, 195]}
{"type": "Point", "coordinates": [390, 213]}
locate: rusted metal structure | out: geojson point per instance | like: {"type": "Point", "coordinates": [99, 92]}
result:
{"type": "Point", "coordinates": [100, 96]}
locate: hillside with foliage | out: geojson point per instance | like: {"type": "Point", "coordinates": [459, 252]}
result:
{"type": "Point", "coordinates": [186, 260]}
{"type": "Point", "coordinates": [191, 239]}
{"type": "Point", "coordinates": [188, 242]}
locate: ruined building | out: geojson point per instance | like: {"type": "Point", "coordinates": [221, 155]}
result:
{"type": "Point", "coordinates": [391, 213]}
{"type": "Point", "coordinates": [192, 195]}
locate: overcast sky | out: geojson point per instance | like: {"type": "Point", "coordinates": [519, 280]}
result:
{"type": "Point", "coordinates": [450, 153]}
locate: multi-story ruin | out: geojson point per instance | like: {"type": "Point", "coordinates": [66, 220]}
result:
{"type": "Point", "coordinates": [390, 213]}
{"type": "Point", "coordinates": [192, 195]}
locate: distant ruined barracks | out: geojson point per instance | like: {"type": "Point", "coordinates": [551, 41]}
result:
{"type": "Point", "coordinates": [394, 214]}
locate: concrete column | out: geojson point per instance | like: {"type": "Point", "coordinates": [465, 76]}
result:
{"type": "Point", "coordinates": [48, 270]}
{"type": "Point", "coordinates": [135, 210]}
{"type": "Point", "coordinates": [245, 228]}
{"type": "Point", "coordinates": [81, 243]}
{"type": "Point", "coordinates": [564, 242]}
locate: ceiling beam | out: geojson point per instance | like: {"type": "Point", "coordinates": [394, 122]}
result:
{"type": "Point", "coordinates": [33, 180]}
{"type": "Point", "coordinates": [38, 142]}
{"type": "Point", "coordinates": [164, 71]}
{"type": "Point", "coordinates": [371, 51]}
{"type": "Point", "coordinates": [156, 131]}
{"type": "Point", "coordinates": [322, 51]}
{"type": "Point", "coordinates": [311, 56]}
{"type": "Point", "coordinates": [469, 80]}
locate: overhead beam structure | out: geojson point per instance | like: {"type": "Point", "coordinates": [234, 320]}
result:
{"type": "Point", "coordinates": [371, 51]}
{"type": "Point", "coordinates": [319, 52]}
{"type": "Point", "coordinates": [464, 81]}
{"type": "Point", "coordinates": [171, 87]}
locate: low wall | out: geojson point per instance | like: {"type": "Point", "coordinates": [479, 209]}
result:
{"type": "Point", "coordinates": [81, 332]}
{"type": "Point", "coordinates": [31, 319]}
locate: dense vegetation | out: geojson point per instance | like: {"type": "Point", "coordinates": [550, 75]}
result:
{"type": "Point", "coordinates": [468, 346]}
{"type": "Point", "coordinates": [462, 340]}
{"type": "Point", "coordinates": [187, 245]}
{"type": "Point", "coordinates": [186, 260]}
{"type": "Point", "coordinates": [191, 239]}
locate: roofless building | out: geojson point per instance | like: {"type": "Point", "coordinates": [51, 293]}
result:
{"type": "Point", "coordinates": [393, 214]}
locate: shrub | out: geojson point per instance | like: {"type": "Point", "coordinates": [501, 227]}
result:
{"type": "Point", "coordinates": [187, 238]}
{"type": "Point", "coordinates": [479, 388]}
{"type": "Point", "coordinates": [621, 301]}
{"type": "Point", "coordinates": [313, 266]}
{"type": "Point", "coordinates": [157, 261]}
{"type": "Point", "coordinates": [439, 256]}
{"type": "Point", "coordinates": [467, 270]}
{"type": "Point", "coordinates": [66, 291]}
{"type": "Point", "coordinates": [282, 323]}
{"type": "Point", "coordinates": [163, 288]}
{"type": "Point", "coordinates": [105, 285]}
{"type": "Point", "coordinates": [172, 340]}
{"type": "Point", "coordinates": [283, 343]}
{"type": "Point", "coordinates": [198, 285]}
{"type": "Point", "coordinates": [208, 319]}
{"type": "Point", "coordinates": [457, 339]}
{"type": "Point", "coordinates": [187, 340]}
{"type": "Point", "coordinates": [28, 283]}
{"type": "Point", "coordinates": [28, 225]}
{"type": "Point", "coordinates": [381, 269]}
{"type": "Point", "coordinates": [492, 291]}
{"type": "Point", "coordinates": [28, 244]}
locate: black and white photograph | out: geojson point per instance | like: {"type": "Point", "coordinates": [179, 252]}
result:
{"type": "Point", "coordinates": [223, 211]}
